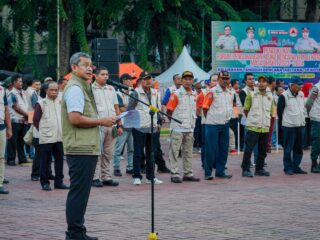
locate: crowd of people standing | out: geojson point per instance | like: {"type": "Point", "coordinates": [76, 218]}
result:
{"type": "Point", "coordinates": [77, 120]}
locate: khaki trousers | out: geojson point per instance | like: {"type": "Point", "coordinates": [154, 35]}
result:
{"type": "Point", "coordinates": [183, 141]}
{"type": "Point", "coordinates": [2, 151]}
{"type": "Point", "coordinates": [103, 168]}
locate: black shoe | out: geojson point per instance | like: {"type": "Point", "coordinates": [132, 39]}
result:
{"type": "Point", "coordinates": [289, 172]}
{"type": "Point", "coordinates": [3, 190]}
{"type": "Point", "coordinates": [97, 183]}
{"type": "Point", "coordinates": [61, 186]}
{"type": "Point", "coordinates": [46, 187]}
{"type": "Point", "coordinates": [262, 172]}
{"type": "Point", "coordinates": [5, 181]}
{"type": "Point", "coordinates": [315, 169]}
{"type": "Point", "coordinates": [35, 178]}
{"type": "Point", "coordinates": [176, 179]}
{"type": "Point", "coordinates": [82, 237]}
{"type": "Point", "coordinates": [129, 171]}
{"type": "Point", "coordinates": [224, 176]}
{"type": "Point", "coordinates": [163, 170]}
{"type": "Point", "coordinates": [111, 183]}
{"type": "Point", "coordinates": [208, 178]}
{"type": "Point", "coordinates": [117, 173]}
{"type": "Point", "coordinates": [51, 177]}
{"type": "Point", "coordinates": [247, 173]}
{"type": "Point", "coordinates": [11, 163]}
{"type": "Point", "coordinates": [299, 171]}
{"type": "Point", "coordinates": [190, 179]}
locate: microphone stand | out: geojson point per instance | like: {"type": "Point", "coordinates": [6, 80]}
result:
{"type": "Point", "coordinates": [153, 109]}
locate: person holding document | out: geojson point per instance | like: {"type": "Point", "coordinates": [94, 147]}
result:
{"type": "Point", "coordinates": [107, 105]}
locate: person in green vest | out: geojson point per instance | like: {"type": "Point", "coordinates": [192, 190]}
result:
{"type": "Point", "coordinates": [81, 141]}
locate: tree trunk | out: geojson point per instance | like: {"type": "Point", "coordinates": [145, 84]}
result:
{"type": "Point", "coordinates": [163, 55]}
{"type": "Point", "coordinates": [65, 40]}
{"type": "Point", "coordinates": [311, 10]}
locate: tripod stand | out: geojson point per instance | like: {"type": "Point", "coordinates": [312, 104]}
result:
{"type": "Point", "coordinates": [153, 109]}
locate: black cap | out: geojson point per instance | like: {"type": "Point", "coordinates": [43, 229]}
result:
{"type": "Point", "coordinates": [145, 75]}
{"type": "Point", "coordinates": [126, 76]}
{"type": "Point", "coordinates": [187, 74]}
{"type": "Point", "coordinates": [250, 28]}
{"type": "Point", "coordinates": [224, 74]}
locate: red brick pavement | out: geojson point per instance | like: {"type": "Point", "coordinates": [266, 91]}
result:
{"type": "Point", "coordinates": [276, 207]}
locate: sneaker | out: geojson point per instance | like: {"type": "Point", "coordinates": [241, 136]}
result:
{"type": "Point", "coordinates": [110, 183]}
{"type": "Point", "coordinates": [117, 173]}
{"type": "Point", "coordinates": [289, 172]}
{"type": "Point", "coordinates": [315, 169]}
{"type": "Point", "coordinates": [208, 178]}
{"type": "Point", "coordinates": [155, 181]}
{"type": "Point", "coordinates": [247, 173]}
{"type": "Point", "coordinates": [136, 181]}
{"type": "Point", "coordinates": [190, 179]}
{"type": "Point", "coordinates": [163, 170]}
{"type": "Point", "coordinates": [176, 179]}
{"type": "Point", "coordinates": [97, 183]}
{"type": "Point", "coordinates": [262, 172]}
{"type": "Point", "coordinates": [299, 171]}
{"type": "Point", "coordinates": [233, 151]}
{"type": "Point", "coordinates": [3, 190]}
{"type": "Point", "coordinates": [121, 158]}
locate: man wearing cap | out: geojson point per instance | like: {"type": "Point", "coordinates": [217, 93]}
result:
{"type": "Point", "coordinates": [258, 109]}
{"type": "Point", "coordinates": [182, 106]}
{"type": "Point", "coordinates": [126, 137]}
{"type": "Point", "coordinates": [306, 43]}
{"type": "Point", "coordinates": [176, 85]}
{"type": "Point", "coordinates": [291, 113]}
{"type": "Point", "coordinates": [142, 136]}
{"type": "Point", "coordinates": [217, 108]}
{"type": "Point", "coordinates": [108, 107]}
{"type": "Point", "coordinates": [5, 133]}
{"type": "Point", "coordinates": [313, 108]}
{"type": "Point", "coordinates": [227, 41]}
{"type": "Point", "coordinates": [212, 82]}
{"type": "Point", "coordinates": [250, 43]}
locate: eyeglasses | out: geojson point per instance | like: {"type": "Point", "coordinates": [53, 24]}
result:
{"type": "Point", "coordinates": [85, 66]}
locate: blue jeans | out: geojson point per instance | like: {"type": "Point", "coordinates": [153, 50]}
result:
{"type": "Point", "coordinates": [217, 144]}
{"type": "Point", "coordinates": [126, 137]}
{"type": "Point", "coordinates": [292, 145]}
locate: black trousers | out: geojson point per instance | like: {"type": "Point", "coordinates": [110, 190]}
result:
{"type": "Point", "coordinates": [36, 160]}
{"type": "Point", "coordinates": [140, 141]}
{"type": "Point", "coordinates": [197, 134]}
{"type": "Point", "coordinates": [16, 143]}
{"type": "Point", "coordinates": [251, 139]}
{"type": "Point", "coordinates": [46, 151]}
{"type": "Point", "coordinates": [81, 171]}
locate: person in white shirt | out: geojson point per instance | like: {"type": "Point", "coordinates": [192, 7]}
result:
{"type": "Point", "coordinates": [106, 100]}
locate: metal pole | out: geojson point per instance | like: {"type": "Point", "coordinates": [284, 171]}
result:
{"type": "Point", "coordinates": [58, 41]}
{"type": "Point", "coordinates": [238, 130]}
{"type": "Point", "coordinates": [277, 138]}
{"type": "Point", "coordinates": [202, 42]}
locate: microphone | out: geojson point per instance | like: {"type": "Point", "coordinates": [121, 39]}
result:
{"type": "Point", "coordinates": [119, 85]}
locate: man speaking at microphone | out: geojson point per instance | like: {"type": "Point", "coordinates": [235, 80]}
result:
{"type": "Point", "coordinates": [81, 142]}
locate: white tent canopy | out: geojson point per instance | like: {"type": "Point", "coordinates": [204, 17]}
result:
{"type": "Point", "coordinates": [183, 63]}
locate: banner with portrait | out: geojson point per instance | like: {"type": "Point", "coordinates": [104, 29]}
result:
{"type": "Point", "coordinates": [277, 49]}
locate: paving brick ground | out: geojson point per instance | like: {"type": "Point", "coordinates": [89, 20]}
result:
{"type": "Point", "coordinates": [276, 207]}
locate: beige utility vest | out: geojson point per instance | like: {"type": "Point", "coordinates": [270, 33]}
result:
{"type": "Point", "coordinates": [22, 102]}
{"type": "Point", "coordinates": [294, 111]}
{"type": "Point", "coordinates": [145, 121]}
{"type": "Point", "coordinates": [185, 110]}
{"type": "Point", "coordinates": [104, 97]}
{"type": "Point", "coordinates": [315, 109]}
{"type": "Point", "coordinates": [220, 111]}
{"type": "Point", "coordinates": [260, 112]}
{"type": "Point", "coordinates": [2, 109]}
{"type": "Point", "coordinates": [50, 130]}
